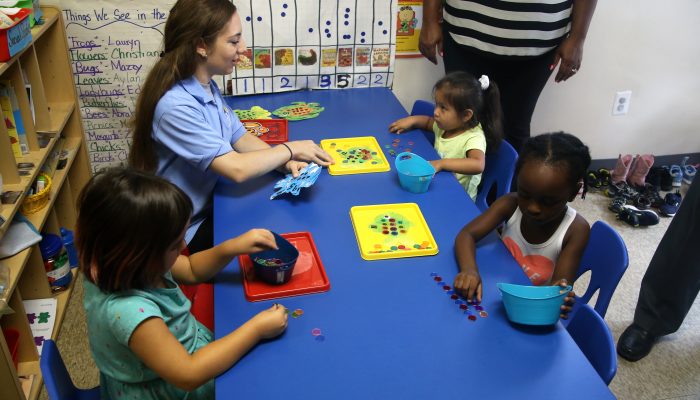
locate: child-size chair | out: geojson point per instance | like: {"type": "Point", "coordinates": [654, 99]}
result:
{"type": "Point", "coordinates": [58, 383]}
{"type": "Point", "coordinates": [593, 337]}
{"type": "Point", "coordinates": [498, 172]}
{"type": "Point", "coordinates": [423, 107]}
{"type": "Point", "coordinates": [202, 298]}
{"type": "Point", "coordinates": [606, 257]}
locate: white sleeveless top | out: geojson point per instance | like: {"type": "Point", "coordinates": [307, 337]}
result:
{"type": "Point", "coordinates": [536, 260]}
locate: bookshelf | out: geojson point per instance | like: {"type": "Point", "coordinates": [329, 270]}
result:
{"type": "Point", "coordinates": [45, 64]}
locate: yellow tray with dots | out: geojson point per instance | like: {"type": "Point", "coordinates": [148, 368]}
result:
{"type": "Point", "coordinates": [358, 155]}
{"type": "Point", "coordinates": [392, 231]}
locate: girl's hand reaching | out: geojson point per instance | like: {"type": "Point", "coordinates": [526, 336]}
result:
{"type": "Point", "coordinates": [402, 125]}
{"type": "Point", "coordinates": [256, 240]}
{"type": "Point", "coordinates": [569, 300]}
{"type": "Point", "coordinates": [271, 322]}
{"type": "Point", "coordinates": [468, 285]}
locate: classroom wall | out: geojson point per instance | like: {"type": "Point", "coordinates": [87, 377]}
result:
{"type": "Point", "coordinates": [649, 47]}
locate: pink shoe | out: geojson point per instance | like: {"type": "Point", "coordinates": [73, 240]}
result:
{"type": "Point", "coordinates": [639, 169]}
{"type": "Point", "coordinates": [619, 174]}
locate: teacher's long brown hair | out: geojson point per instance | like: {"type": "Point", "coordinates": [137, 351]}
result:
{"type": "Point", "coordinates": [190, 23]}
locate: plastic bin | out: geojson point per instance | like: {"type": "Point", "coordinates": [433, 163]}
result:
{"type": "Point", "coordinates": [15, 38]}
{"type": "Point", "coordinates": [533, 305]}
{"type": "Point", "coordinates": [415, 173]}
{"type": "Point", "coordinates": [275, 266]}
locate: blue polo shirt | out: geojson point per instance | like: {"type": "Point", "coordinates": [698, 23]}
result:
{"type": "Point", "coordinates": [190, 129]}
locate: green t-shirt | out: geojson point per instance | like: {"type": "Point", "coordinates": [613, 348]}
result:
{"type": "Point", "coordinates": [112, 319]}
{"type": "Point", "coordinates": [457, 147]}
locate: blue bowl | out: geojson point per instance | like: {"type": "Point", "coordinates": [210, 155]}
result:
{"type": "Point", "coordinates": [415, 172]}
{"type": "Point", "coordinates": [275, 266]}
{"type": "Point", "coordinates": [533, 305]}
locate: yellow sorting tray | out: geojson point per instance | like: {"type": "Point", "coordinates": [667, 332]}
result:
{"type": "Point", "coordinates": [358, 155]}
{"type": "Point", "coordinates": [392, 231]}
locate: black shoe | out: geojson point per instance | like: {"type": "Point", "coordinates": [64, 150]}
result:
{"type": "Point", "coordinates": [636, 217]}
{"type": "Point", "coordinates": [635, 343]}
{"type": "Point", "coordinates": [666, 178]}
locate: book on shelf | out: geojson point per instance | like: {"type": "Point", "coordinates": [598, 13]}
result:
{"type": "Point", "coordinates": [13, 119]}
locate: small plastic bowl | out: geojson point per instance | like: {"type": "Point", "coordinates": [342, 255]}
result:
{"type": "Point", "coordinates": [275, 266]}
{"type": "Point", "coordinates": [415, 173]}
{"type": "Point", "coordinates": [533, 305]}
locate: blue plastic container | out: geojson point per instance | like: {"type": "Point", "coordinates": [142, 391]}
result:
{"type": "Point", "coordinates": [275, 266]}
{"type": "Point", "coordinates": [56, 261]}
{"type": "Point", "coordinates": [70, 247]}
{"type": "Point", "coordinates": [533, 305]}
{"type": "Point", "coordinates": [415, 173]}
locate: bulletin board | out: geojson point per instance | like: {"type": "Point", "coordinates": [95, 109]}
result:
{"type": "Point", "coordinates": [112, 45]}
{"type": "Point", "coordinates": [317, 44]}
{"type": "Point", "coordinates": [293, 44]}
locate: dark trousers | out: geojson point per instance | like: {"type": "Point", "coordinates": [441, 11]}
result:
{"type": "Point", "coordinates": [204, 238]}
{"type": "Point", "coordinates": [519, 79]}
{"type": "Point", "coordinates": [672, 280]}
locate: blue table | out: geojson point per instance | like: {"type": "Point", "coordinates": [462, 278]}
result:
{"type": "Point", "coordinates": [391, 332]}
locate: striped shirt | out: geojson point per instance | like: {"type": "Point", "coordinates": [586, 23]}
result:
{"type": "Point", "coordinates": [524, 28]}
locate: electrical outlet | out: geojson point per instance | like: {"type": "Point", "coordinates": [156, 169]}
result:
{"type": "Point", "coordinates": [622, 102]}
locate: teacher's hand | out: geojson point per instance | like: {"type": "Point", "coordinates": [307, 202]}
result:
{"type": "Point", "coordinates": [430, 38]}
{"type": "Point", "coordinates": [307, 150]}
{"type": "Point", "coordinates": [568, 55]}
{"type": "Point", "coordinates": [295, 166]}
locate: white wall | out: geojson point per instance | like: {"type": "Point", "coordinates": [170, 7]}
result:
{"type": "Point", "coordinates": [649, 47]}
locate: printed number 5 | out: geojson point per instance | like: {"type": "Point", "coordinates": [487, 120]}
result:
{"type": "Point", "coordinates": [342, 80]}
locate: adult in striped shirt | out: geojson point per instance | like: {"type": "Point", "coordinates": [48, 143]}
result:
{"type": "Point", "coordinates": [517, 43]}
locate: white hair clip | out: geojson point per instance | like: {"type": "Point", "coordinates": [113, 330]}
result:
{"type": "Point", "coordinates": [484, 80]}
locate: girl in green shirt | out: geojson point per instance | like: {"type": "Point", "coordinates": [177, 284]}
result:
{"type": "Point", "coordinates": [466, 122]}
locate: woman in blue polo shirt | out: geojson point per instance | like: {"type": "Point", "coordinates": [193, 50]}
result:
{"type": "Point", "coordinates": [182, 128]}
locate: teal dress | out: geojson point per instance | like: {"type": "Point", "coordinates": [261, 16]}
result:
{"type": "Point", "coordinates": [113, 317]}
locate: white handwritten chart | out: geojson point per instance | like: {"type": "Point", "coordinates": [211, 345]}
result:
{"type": "Point", "coordinates": [319, 44]}
{"type": "Point", "coordinates": [293, 44]}
{"type": "Point", "coordinates": [112, 48]}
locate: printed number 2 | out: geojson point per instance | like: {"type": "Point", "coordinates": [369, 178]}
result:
{"type": "Point", "coordinates": [342, 80]}
{"type": "Point", "coordinates": [285, 82]}
{"type": "Point", "coordinates": [378, 79]}
{"type": "Point", "coordinates": [325, 81]}
{"type": "Point", "coordinates": [361, 80]}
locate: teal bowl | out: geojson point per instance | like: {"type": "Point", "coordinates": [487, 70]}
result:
{"type": "Point", "coordinates": [533, 305]}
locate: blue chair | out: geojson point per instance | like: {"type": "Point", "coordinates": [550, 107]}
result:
{"type": "Point", "coordinates": [499, 168]}
{"type": "Point", "coordinates": [498, 172]}
{"type": "Point", "coordinates": [593, 337]}
{"type": "Point", "coordinates": [58, 383]}
{"type": "Point", "coordinates": [423, 107]}
{"type": "Point", "coordinates": [606, 257]}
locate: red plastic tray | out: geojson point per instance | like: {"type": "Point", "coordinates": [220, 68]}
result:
{"type": "Point", "coordinates": [277, 129]}
{"type": "Point", "coordinates": [309, 276]}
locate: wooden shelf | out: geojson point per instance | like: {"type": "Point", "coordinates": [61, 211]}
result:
{"type": "Point", "coordinates": [59, 113]}
{"type": "Point", "coordinates": [39, 218]}
{"type": "Point", "coordinates": [17, 262]}
{"type": "Point", "coordinates": [33, 367]}
{"type": "Point", "coordinates": [8, 211]}
{"type": "Point", "coordinates": [45, 64]}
